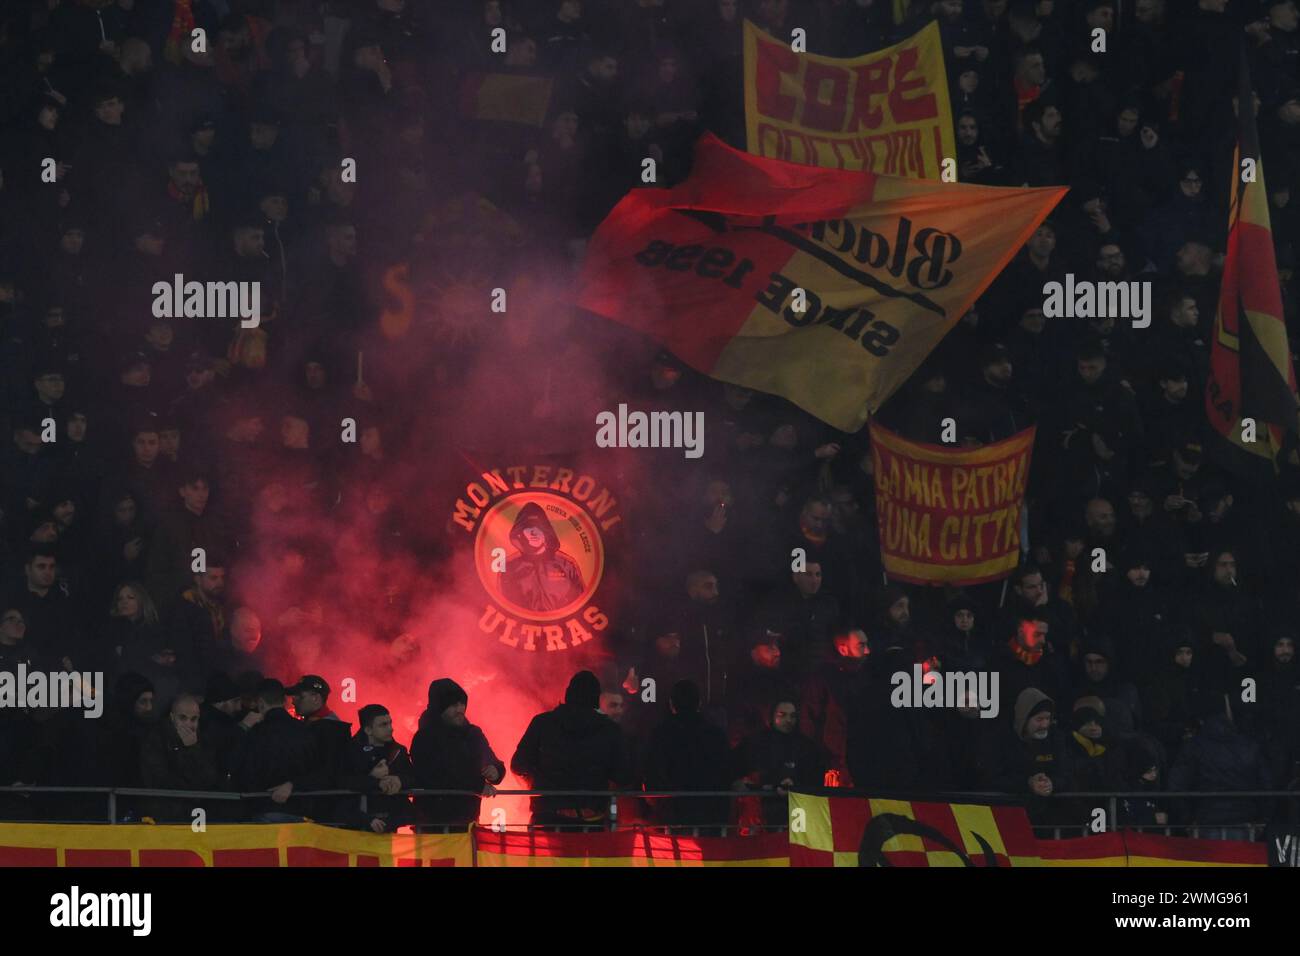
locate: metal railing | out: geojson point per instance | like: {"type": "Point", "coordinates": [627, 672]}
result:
{"type": "Point", "coordinates": [1109, 801]}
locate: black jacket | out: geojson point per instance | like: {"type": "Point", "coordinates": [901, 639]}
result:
{"type": "Point", "coordinates": [360, 758]}
{"type": "Point", "coordinates": [686, 752]}
{"type": "Point", "coordinates": [450, 758]}
{"type": "Point", "coordinates": [1220, 758]}
{"type": "Point", "coordinates": [278, 750]}
{"type": "Point", "coordinates": [167, 764]}
{"type": "Point", "coordinates": [571, 748]}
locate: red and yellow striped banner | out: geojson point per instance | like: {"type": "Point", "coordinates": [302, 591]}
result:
{"type": "Point", "coordinates": [290, 844]}
{"type": "Point", "coordinates": [630, 848]}
{"type": "Point", "coordinates": [1144, 849]}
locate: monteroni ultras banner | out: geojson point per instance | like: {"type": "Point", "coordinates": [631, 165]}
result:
{"type": "Point", "coordinates": [825, 287]}
{"type": "Point", "coordinates": [886, 112]}
{"type": "Point", "coordinates": [949, 515]}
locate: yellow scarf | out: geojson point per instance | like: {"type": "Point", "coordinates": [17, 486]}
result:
{"type": "Point", "coordinates": [1090, 747]}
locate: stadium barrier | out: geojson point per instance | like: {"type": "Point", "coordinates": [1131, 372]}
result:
{"type": "Point", "coordinates": [952, 829]}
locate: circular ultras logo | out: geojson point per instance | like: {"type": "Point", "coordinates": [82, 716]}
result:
{"type": "Point", "coordinates": [539, 555]}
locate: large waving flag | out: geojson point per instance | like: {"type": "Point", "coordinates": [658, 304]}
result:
{"type": "Point", "coordinates": [824, 286]}
{"type": "Point", "coordinates": [1251, 373]}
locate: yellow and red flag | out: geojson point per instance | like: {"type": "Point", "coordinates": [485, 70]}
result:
{"type": "Point", "coordinates": [1251, 372]}
{"type": "Point", "coordinates": [886, 112]}
{"type": "Point", "coordinates": [949, 515]}
{"type": "Point", "coordinates": [1125, 848]}
{"type": "Point", "coordinates": [861, 831]}
{"type": "Point", "coordinates": [823, 286]}
{"type": "Point", "coordinates": [223, 845]}
{"type": "Point", "coordinates": [626, 848]}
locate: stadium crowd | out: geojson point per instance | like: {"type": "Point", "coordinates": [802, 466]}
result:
{"type": "Point", "coordinates": [228, 164]}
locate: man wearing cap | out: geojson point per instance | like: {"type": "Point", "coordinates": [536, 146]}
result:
{"type": "Point", "coordinates": [1098, 757]}
{"type": "Point", "coordinates": [332, 734]}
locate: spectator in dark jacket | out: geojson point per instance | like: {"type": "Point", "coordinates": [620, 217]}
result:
{"type": "Point", "coordinates": [450, 753]}
{"type": "Point", "coordinates": [686, 752]}
{"type": "Point", "coordinates": [333, 737]}
{"type": "Point", "coordinates": [828, 697]}
{"type": "Point", "coordinates": [1221, 758]}
{"type": "Point", "coordinates": [573, 747]}
{"type": "Point", "coordinates": [1098, 757]}
{"type": "Point", "coordinates": [1226, 622]}
{"type": "Point", "coordinates": [379, 767]}
{"type": "Point", "coordinates": [279, 756]}
{"type": "Point", "coordinates": [1036, 762]}
{"type": "Point", "coordinates": [1173, 698]}
{"type": "Point", "coordinates": [884, 746]}
{"type": "Point", "coordinates": [176, 755]}
{"type": "Point", "coordinates": [780, 759]}
{"type": "Point", "coordinates": [225, 722]}
{"type": "Point", "coordinates": [1097, 678]}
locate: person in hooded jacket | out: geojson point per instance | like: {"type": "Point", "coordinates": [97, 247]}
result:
{"type": "Point", "coordinates": [573, 747]}
{"type": "Point", "coordinates": [1142, 774]}
{"type": "Point", "coordinates": [1098, 757]}
{"type": "Point", "coordinates": [1137, 614]}
{"type": "Point", "coordinates": [540, 577]}
{"type": "Point", "coordinates": [686, 752]}
{"type": "Point", "coordinates": [450, 753]}
{"type": "Point", "coordinates": [1172, 698]}
{"type": "Point", "coordinates": [1037, 762]}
